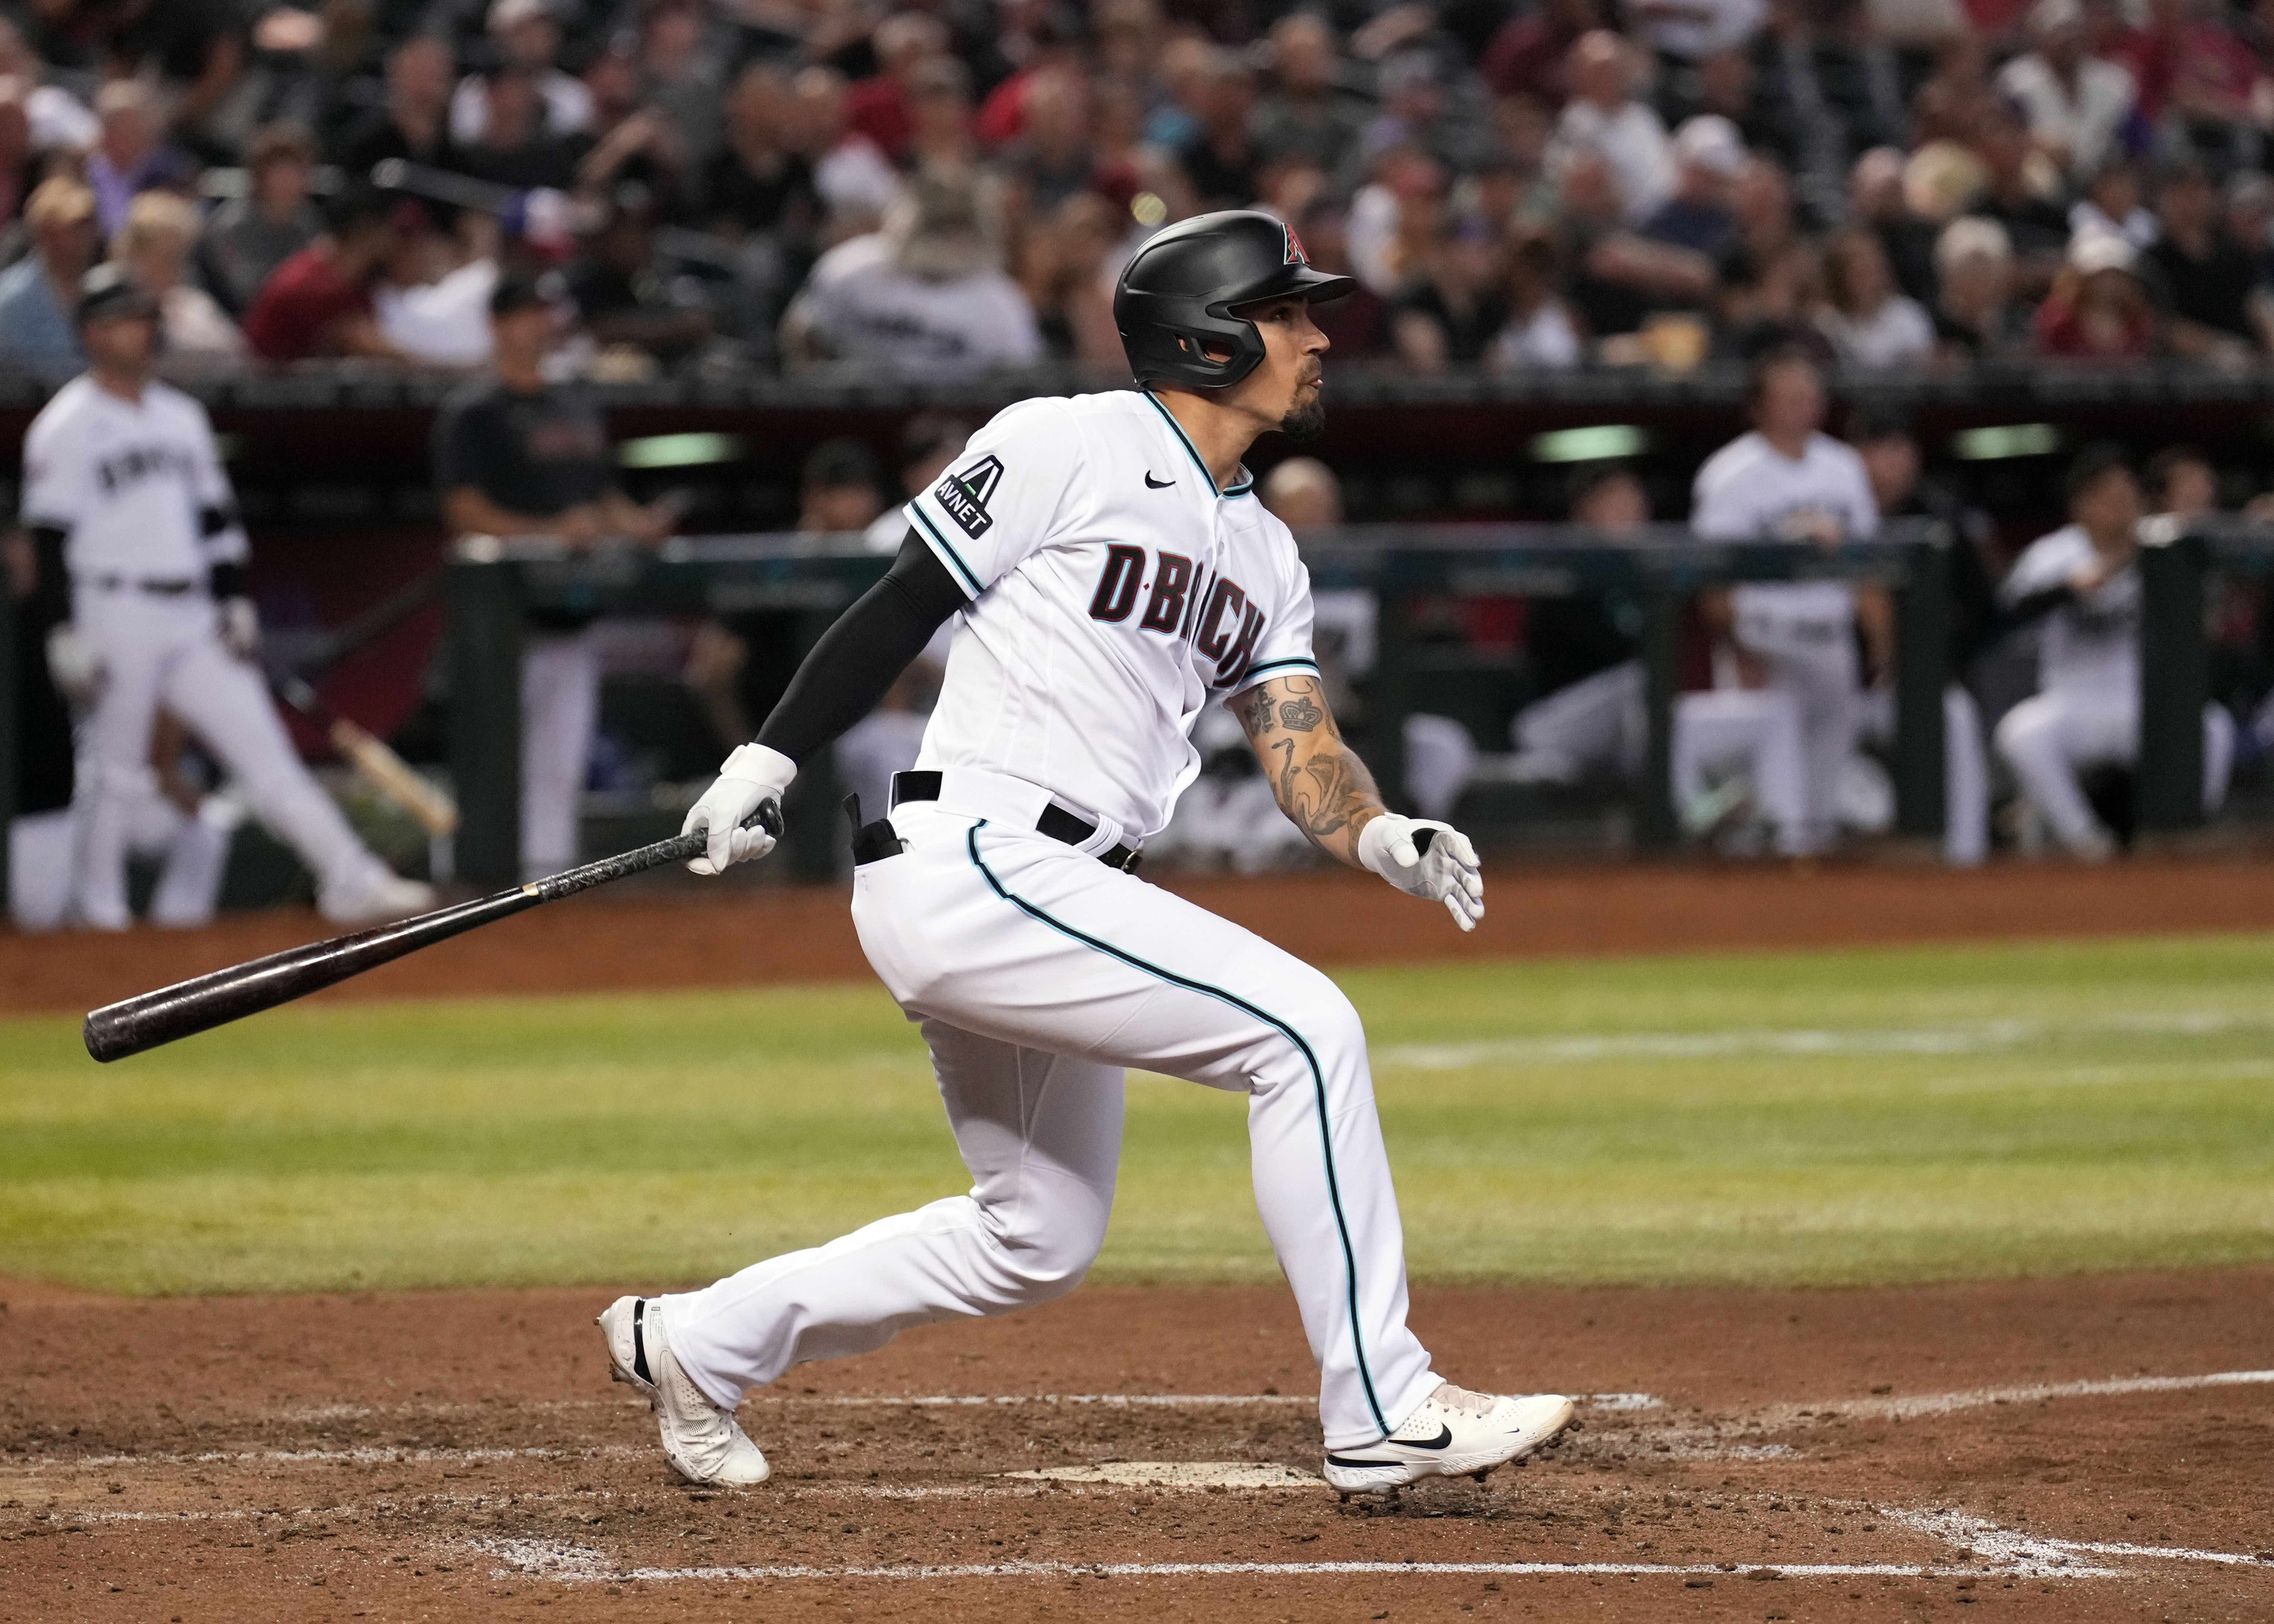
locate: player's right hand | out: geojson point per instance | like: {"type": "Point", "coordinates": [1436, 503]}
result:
{"type": "Point", "coordinates": [753, 776]}
{"type": "Point", "coordinates": [74, 666]}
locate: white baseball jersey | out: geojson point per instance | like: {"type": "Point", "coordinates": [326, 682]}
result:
{"type": "Point", "coordinates": [1750, 491]}
{"type": "Point", "coordinates": [1115, 590]}
{"type": "Point", "coordinates": [2090, 645]}
{"type": "Point", "coordinates": [136, 486]}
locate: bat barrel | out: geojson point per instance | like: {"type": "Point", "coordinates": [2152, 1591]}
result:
{"type": "Point", "coordinates": [204, 1001]}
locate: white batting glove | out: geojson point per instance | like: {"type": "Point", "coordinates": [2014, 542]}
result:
{"type": "Point", "coordinates": [73, 663]}
{"type": "Point", "coordinates": [752, 777]}
{"type": "Point", "coordinates": [240, 627]}
{"type": "Point", "coordinates": [1424, 858]}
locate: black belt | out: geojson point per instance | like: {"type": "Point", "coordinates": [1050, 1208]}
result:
{"type": "Point", "coordinates": [1055, 822]}
{"type": "Point", "coordinates": [157, 586]}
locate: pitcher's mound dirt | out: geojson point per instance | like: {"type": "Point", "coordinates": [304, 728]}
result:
{"type": "Point", "coordinates": [2046, 1450]}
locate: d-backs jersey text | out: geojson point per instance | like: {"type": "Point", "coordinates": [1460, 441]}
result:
{"type": "Point", "coordinates": [137, 487]}
{"type": "Point", "coordinates": [1115, 590]}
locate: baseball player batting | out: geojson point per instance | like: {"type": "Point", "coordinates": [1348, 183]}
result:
{"type": "Point", "coordinates": [1110, 573]}
{"type": "Point", "coordinates": [126, 500]}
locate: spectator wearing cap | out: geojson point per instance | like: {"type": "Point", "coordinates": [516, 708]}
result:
{"type": "Point", "coordinates": [1307, 118]}
{"type": "Point", "coordinates": [1871, 324]}
{"type": "Point", "coordinates": [1976, 317]}
{"type": "Point", "coordinates": [130, 155]}
{"type": "Point", "coordinates": [525, 38]}
{"type": "Point", "coordinates": [154, 246]}
{"type": "Point", "coordinates": [2076, 104]}
{"type": "Point", "coordinates": [413, 123]}
{"type": "Point", "coordinates": [39, 292]}
{"type": "Point", "coordinates": [2098, 309]}
{"type": "Point", "coordinates": [1709, 155]}
{"type": "Point", "coordinates": [925, 296]}
{"type": "Point", "coordinates": [319, 301]}
{"type": "Point", "coordinates": [249, 237]}
{"type": "Point", "coordinates": [2204, 282]}
{"type": "Point", "coordinates": [517, 455]}
{"type": "Point", "coordinates": [1604, 118]}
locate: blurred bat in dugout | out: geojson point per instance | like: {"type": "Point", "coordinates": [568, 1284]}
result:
{"type": "Point", "coordinates": [389, 774]}
{"type": "Point", "coordinates": [204, 1001]}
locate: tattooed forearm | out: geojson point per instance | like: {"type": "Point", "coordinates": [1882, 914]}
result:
{"type": "Point", "coordinates": [1322, 785]}
{"type": "Point", "coordinates": [1326, 792]}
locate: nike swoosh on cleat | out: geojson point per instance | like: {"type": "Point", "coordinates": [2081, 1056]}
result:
{"type": "Point", "coordinates": [1152, 484]}
{"type": "Point", "coordinates": [1443, 1437]}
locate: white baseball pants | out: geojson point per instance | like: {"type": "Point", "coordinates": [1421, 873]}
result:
{"type": "Point", "coordinates": [1039, 973]}
{"type": "Point", "coordinates": [1759, 730]}
{"type": "Point", "coordinates": [560, 708]}
{"type": "Point", "coordinates": [158, 650]}
{"type": "Point", "coordinates": [2053, 738]}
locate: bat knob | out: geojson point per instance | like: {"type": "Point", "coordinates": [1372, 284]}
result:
{"type": "Point", "coordinates": [769, 817]}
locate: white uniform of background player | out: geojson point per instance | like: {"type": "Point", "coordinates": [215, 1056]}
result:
{"type": "Point", "coordinates": [137, 488]}
{"type": "Point", "coordinates": [1111, 586]}
{"type": "Point", "coordinates": [1802, 632]}
{"type": "Point", "coordinates": [2086, 712]}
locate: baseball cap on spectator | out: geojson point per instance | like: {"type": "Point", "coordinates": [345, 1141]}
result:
{"type": "Point", "coordinates": [108, 290]}
{"type": "Point", "coordinates": [1970, 238]}
{"type": "Point", "coordinates": [2092, 251]}
{"type": "Point", "coordinates": [1711, 142]}
{"type": "Point", "coordinates": [506, 14]}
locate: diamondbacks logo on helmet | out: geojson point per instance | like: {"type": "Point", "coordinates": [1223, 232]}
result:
{"type": "Point", "coordinates": [1292, 249]}
{"type": "Point", "coordinates": [965, 495]}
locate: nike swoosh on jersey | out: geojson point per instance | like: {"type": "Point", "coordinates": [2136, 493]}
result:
{"type": "Point", "coordinates": [1443, 1437]}
{"type": "Point", "coordinates": [1152, 484]}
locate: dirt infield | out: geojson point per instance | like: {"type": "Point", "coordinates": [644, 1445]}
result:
{"type": "Point", "coordinates": [2076, 1450]}
{"type": "Point", "coordinates": [749, 936]}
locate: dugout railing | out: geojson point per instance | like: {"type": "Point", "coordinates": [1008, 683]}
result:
{"type": "Point", "coordinates": [494, 583]}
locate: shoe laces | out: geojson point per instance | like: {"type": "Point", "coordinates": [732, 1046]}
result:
{"type": "Point", "coordinates": [1460, 1398]}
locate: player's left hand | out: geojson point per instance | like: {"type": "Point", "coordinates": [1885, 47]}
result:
{"type": "Point", "coordinates": [1425, 858]}
{"type": "Point", "coordinates": [240, 627]}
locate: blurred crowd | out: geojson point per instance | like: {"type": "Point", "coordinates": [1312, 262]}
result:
{"type": "Point", "coordinates": [941, 186]}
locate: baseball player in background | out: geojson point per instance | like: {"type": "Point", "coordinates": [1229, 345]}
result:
{"type": "Point", "coordinates": [1110, 573]}
{"type": "Point", "coordinates": [1787, 480]}
{"type": "Point", "coordinates": [2083, 582]}
{"type": "Point", "coordinates": [130, 515]}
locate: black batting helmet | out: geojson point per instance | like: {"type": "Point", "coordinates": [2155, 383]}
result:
{"type": "Point", "coordinates": [1176, 298]}
{"type": "Point", "coordinates": [108, 290]}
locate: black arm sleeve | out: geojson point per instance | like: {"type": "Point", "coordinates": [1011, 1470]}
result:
{"type": "Point", "coordinates": [2034, 606]}
{"type": "Point", "coordinates": [864, 653]}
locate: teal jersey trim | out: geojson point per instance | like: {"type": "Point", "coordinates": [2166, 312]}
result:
{"type": "Point", "coordinates": [971, 582]}
{"type": "Point", "coordinates": [1318, 1084]}
{"type": "Point", "coordinates": [1246, 485]}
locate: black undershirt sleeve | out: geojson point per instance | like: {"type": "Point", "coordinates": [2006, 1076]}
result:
{"type": "Point", "coordinates": [860, 657]}
{"type": "Point", "coordinates": [50, 602]}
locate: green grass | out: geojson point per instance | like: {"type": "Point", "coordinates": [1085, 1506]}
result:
{"type": "Point", "coordinates": [1835, 1117]}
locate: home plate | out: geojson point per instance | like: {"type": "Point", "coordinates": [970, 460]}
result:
{"type": "Point", "coordinates": [1175, 1475]}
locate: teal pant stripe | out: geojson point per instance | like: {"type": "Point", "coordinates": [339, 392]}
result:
{"type": "Point", "coordinates": [1318, 1086]}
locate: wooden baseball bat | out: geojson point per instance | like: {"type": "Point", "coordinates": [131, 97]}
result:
{"type": "Point", "coordinates": [389, 774]}
{"type": "Point", "coordinates": [204, 1001]}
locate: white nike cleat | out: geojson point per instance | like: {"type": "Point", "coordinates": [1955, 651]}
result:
{"type": "Point", "coordinates": [1454, 1434]}
{"type": "Point", "coordinates": [704, 1443]}
{"type": "Point", "coordinates": [374, 899]}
